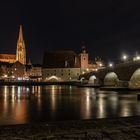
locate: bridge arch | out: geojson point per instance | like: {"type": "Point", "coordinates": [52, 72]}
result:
{"type": "Point", "coordinates": [53, 79]}
{"type": "Point", "coordinates": [111, 79]}
{"type": "Point", "coordinates": [92, 79]}
{"type": "Point", "coordinates": [135, 79]}
{"type": "Point", "coordinates": [82, 79]}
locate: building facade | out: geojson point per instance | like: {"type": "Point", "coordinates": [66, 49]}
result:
{"type": "Point", "coordinates": [20, 52]}
{"type": "Point", "coordinates": [18, 71]}
{"type": "Point", "coordinates": [63, 65]}
{"type": "Point", "coordinates": [34, 72]}
{"type": "Point", "coordinates": [8, 58]}
{"type": "Point", "coordinates": [14, 67]}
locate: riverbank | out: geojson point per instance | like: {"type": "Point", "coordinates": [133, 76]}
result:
{"type": "Point", "coordinates": [34, 83]}
{"type": "Point", "coordinates": [98, 129]}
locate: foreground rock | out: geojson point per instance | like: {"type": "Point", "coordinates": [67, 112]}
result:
{"type": "Point", "coordinates": [107, 129]}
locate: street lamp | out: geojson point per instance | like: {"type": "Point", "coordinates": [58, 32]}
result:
{"type": "Point", "coordinates": [138, 57]}
{"type": "Point", "coordinates": [110, 65]}
{"type": "Point", "coordinates": [125, 57]}
{"type": "Point", "coordinates": [100, 64]}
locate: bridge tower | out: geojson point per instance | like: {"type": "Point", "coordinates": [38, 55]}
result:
{"type": "Point", "coordinates": [83, 58]}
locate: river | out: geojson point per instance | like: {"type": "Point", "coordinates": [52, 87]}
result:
{"type": "Point", "coordinates": [33, 104]}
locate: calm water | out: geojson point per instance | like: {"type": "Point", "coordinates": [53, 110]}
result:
{"type": "Point", "coordinates": [20, 105]}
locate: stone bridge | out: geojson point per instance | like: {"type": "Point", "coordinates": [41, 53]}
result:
{"type": "Point", "coordinates": [125, 75]}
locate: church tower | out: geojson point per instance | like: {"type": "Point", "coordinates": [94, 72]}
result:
{"type": "Point", "coordinates": [21, 52]}
{"type": "Point", "coordinates": [83, 58]}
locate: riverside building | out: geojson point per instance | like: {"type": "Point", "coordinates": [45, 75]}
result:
{"type": "Point", "coordinates": [64, 65]}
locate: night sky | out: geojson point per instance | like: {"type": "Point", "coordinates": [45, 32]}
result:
{"type": "Point", "coordinates": [109, 28]}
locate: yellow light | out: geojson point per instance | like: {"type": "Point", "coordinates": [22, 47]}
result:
{"type": "Point", "coordinates": [5, 76]}
{"type": "Point", "coordinates": [100, 64]}
{"type": "Point", "coordinates": [110, 65]}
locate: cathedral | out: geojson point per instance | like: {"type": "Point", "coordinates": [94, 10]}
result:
{"type": "Point", "coordinates": [20, 55]}
{"type": "Point", "coordinates": [15, 67]}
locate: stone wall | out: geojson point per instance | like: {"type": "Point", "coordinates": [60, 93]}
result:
{"type": "Point", "coordinates": [60, 74]}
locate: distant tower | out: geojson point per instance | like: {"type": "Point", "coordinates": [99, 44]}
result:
{"type": "Point", "coordinates": [21, 52]}
{"type": "Point", "coordinates": [29, 63]}
{"type": "Point", "coordinates": [83, 57]}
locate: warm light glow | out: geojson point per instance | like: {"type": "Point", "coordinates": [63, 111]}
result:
{"type": "Point", "coordinates": [53, 97]}
{"type": "Point", "coordinates": [125, 57]}
{"type": "Point", "coordinates": [100, 64]}
{"type": "Point", "coordinates": [138, 57]}
{"type": "Point", "coordinates": [110, 64]}
{"type": "Point", "coordinates": [5, 75]}
{"type": "Point", "coordinates": [83, 72]}
{"type": "Point", "coordinates": [19, 78]}
{"type": "Point", "coordinates": [13, 76]}
{"type": "Point", "coordinates": [53, 78]}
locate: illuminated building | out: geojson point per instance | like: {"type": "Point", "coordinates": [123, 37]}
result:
{"type": "Point", "coordinates": [64, 65]}
{"type": "Point", "coordinates": [18, 70]}
{"type": "Point", "coordinates": [20, 53]}
{"type": "Point", "coordinates": [34, 71]}
{"type": "Point", "coordinates": [9, 58]}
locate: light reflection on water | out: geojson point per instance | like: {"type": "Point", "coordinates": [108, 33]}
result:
{"type": "Point", "coordinates": [20, 104]}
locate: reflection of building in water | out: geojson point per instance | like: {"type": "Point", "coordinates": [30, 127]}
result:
{"type": "Point", "coordinates": [101, 107]}
{"type": "Point", "coordinates": [36, 89]}
{"type": "Point", "coordinates": [126, 109]}
{"type": "Point", "coordinates": [53, 98]}
{"type": "Point", "coordinates": [87, 103]}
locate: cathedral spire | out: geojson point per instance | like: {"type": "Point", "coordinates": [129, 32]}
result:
{"type": "Point", "coordinates": [20, 34]}
{"type": "Point", "coordinates": [21, 51]}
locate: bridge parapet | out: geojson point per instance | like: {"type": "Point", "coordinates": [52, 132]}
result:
{"type": "Point", "coordinates": [124, 72]}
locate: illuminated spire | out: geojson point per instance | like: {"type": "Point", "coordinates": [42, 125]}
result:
{"type": "Point", "coordinates": [29, 62]}
{"type": "Point", "coordinates": [21, 51]}
{"type": "Point", "coordinates": [20, 34]}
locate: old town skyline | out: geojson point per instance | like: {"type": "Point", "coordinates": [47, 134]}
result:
{"type": "Point", "coordinates": [64, 25]}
